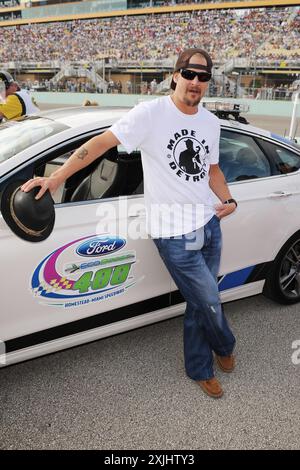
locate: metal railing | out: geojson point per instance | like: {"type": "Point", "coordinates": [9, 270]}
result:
{"type": "Point", "coordinates": [238, 77]}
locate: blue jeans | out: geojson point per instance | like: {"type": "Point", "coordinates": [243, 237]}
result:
{"type": "Point", "coordinates": [194, 265]}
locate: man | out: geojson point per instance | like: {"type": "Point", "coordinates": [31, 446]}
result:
{"type": "Point", "coordinates": [189, 159]}
{"type": "Point", "coordinates": [190, 246]}
{"type": "Point", "coordinates": [153, 86]}
{"type": "Point", "coordinates": [129, 86]}
{"type": "Point", "coordinates": [17, 102]}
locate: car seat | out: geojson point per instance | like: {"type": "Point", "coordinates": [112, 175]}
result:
{"type": "Point", "coordinates": [114, 176]}
{"type": "Point", "coordinates": [247, 166]}
{"type": "Point", "coordinates": [227, 164]}
{"type": "Point", "coordinates": [101, 182]}
{"type": "Point", "coordinates": [133, 174]}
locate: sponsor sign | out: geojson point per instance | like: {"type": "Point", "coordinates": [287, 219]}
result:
{"type": "Point", "coordinates": [65, 279]}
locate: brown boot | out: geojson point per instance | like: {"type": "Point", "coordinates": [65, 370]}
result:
{"type": "Point", "coordinates": [226, 363]}
{"type": "Point", "coordinates": [212, 387]}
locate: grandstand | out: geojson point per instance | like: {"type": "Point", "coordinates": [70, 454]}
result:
{"type": "Point", "coordinates": [254, 44]}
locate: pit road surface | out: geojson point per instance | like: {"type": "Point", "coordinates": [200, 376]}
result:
{"type": "Point", "coordinates": [130, 391]}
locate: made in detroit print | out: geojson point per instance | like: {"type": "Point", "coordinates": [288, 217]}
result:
{"type": "Point", "coordinates": [188, 155]}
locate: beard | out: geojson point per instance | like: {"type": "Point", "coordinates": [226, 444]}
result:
{"type": "Point", "coordinates": [192, 102]}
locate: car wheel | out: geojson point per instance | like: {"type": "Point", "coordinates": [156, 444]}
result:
{"type": "Point", "coordinates": [283, 282]}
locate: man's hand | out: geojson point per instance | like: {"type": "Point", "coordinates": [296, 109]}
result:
{"type": "Point", "coordinates": [222, 210]}
{"type": "Point", "coordinates": [52, 183]}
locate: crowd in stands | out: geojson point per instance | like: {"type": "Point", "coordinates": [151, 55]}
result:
{"type": "Point", "coordinates": [9, 3]}
{"type": "Point", "coordinates": [271, 34]}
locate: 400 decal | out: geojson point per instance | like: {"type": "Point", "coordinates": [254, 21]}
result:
{"type": "Point", "coordinates": [57, 278]}
{"type": "Point", "coordinates": [100, 279]}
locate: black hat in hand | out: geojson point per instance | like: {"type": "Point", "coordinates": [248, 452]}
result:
{"type": "Point", "coordinates": [30, 219]}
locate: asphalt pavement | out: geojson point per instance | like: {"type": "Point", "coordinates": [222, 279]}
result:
{"type": "Point", "coordinates": [279, 125]}
{"type": "Point", "coordinates": [130, 391]}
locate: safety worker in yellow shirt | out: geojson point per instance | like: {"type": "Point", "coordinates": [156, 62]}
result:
{"type": "Point", "coordinates": [15, 102]}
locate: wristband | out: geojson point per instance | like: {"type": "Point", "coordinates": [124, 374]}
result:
{"type": "Point", "coordinates": [229, 201]}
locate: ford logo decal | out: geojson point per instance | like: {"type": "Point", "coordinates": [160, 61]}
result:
{"type": "Point", "coordinates": [99, 246]}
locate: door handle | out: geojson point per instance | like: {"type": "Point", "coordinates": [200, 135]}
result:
{"type": "Point", "coordinates": [140, 213]}
{"type": "Point", "coordinates": [278, 194]}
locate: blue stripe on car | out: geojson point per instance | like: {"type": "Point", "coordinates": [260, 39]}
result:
{"type": "Point", "coordinates": [235, 279]}
{"type": "Point", "coordinates": [281, 138]}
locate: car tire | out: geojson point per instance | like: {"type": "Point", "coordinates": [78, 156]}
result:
{"type": "Point", "coordinates": [283, 282]}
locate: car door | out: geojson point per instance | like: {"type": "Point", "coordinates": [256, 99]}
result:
{"type": "Point", "coordinates": [96, 268]}
{"type": "Point", "coordinates": [267, 215]}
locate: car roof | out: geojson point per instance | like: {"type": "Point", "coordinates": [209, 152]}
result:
{"type": "Point", "coordinates": [76, 116]}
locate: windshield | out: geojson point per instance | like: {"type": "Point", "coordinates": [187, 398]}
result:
{"type": "Point", "coordinates": [18, 135]}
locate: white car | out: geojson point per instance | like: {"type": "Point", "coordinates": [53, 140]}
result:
{"type": "Point", "coordinates": [81, 284]}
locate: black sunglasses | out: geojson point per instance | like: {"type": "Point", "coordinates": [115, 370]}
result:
{"type": "Point", "coordinates": [191, 74]}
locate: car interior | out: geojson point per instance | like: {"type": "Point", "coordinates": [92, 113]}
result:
{"type": "Point", "coordinates": [115, 174]}
{"type": "Point", "coordinates": [247, 166]}
{"type": "Point", "coordinates": [242, 163]}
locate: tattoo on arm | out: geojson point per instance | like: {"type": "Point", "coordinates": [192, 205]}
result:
{"type": "Point", "coordinates": [81, 153]}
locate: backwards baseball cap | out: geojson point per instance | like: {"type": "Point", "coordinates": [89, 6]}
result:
{"type": "Point", "coordinates": [183, 62]}
{"type": "Point", "coordinates": [6, 78]}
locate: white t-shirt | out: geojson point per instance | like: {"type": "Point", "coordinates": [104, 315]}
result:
{"type": "Point", "coordinates": [177, 150]}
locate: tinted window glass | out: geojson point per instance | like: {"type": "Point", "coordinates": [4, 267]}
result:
{"type": "Point", "coordinates": [285, 160]}
{"type": "Point", "coordinates": [241, 158]}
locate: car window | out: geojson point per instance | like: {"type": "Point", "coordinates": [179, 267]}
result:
{"type": "Point", "coordinates": [48, 168]}
{"type": "Point", "coordinates": [285, 160]}
{"type": "Point", "coordinates": [114, 174]}
{"type": "Point", "coordinates": [241, 158]}
{"type": "Point", "coordinates": [16, 136]}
